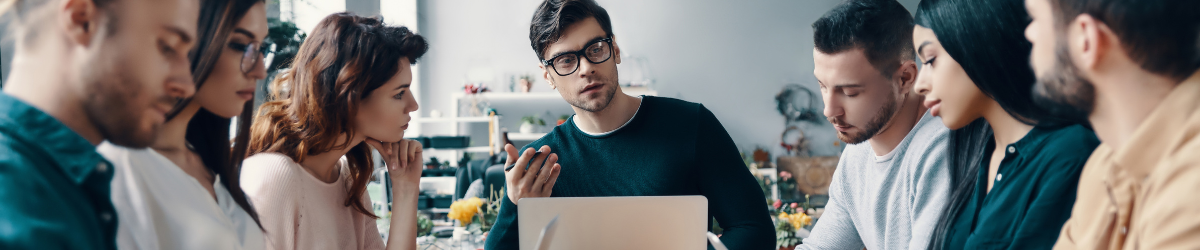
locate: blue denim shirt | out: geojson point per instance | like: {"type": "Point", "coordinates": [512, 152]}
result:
{"type": "Point", "coordinates": [54, 187]}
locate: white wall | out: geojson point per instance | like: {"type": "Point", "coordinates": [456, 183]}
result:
{"type": "Point", "coordinates": [731, 56]}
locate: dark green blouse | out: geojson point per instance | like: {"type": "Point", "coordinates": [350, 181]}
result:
{"type": "Point", "coordinates": [1032, 195]}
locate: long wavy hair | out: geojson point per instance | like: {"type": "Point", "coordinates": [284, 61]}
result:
{"type": "Point", "coordinates": [344, 59]}
{"type": "Point", "coordinates": [208, 133]}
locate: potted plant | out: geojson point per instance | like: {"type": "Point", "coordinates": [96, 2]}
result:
{"type": "Point", "coordinates": [562, 119]}
{"type": "Point", "coordinates": [526, 83]}
{"type": "Point", "coordinates": [528, 123]}
{"type": "Point", "coordinates": [433, 163]}
{"type": "Point", "coordinates": [787, 186]}
{"type": "Point", "coordinates": [424, 225]}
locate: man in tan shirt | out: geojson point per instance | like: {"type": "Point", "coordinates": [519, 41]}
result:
{"type": "Point", "coordinates": [1130, 68]}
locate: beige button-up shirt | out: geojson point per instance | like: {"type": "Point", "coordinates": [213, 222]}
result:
{"type": "Point", "coordinates": [1146, 193]}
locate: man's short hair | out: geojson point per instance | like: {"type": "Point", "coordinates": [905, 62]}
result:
{"type": "Point", "coordinates": [881, 28]}
{"type": "Point", "coordinates": [1161, 35]}
{"type": "Point", "coordinates": [554, 16]}
{"type": "Point", "coordinates": [30, 16]}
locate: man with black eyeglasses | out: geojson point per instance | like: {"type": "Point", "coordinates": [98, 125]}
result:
{"type": "Point", "coordinates": [621, 145]}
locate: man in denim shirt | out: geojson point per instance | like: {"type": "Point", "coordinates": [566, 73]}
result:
{"type": "Point", "coordinates": [84, 71]}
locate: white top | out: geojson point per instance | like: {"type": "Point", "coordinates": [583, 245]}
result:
{"type": "Point", "coordinates": [887, 202]}
{"type": "Point", "coordinates": [161, 207]}
{"type": "Point", "coordinates": [635, 112]}
{"type": "Point", "coordinates": [301, 212]}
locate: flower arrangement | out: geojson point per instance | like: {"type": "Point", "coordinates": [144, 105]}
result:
{"type": "Point", "coordinates": [464, 210]}
{"type": "Point", "coordinates": [467, 211]}
{"type": "Point", "coordinates": [789, 220]}
{"type": "Point", "coordinates": [787, 186]}
{"type": "Point", "coordinates": [475, 88]}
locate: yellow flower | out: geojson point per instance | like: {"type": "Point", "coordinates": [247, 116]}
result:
{"type": "Point", "coordinates": [464, 210]}
{"type": "Point", "coordinates": [797, 220]}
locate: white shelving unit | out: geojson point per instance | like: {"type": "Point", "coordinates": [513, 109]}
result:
{"type": "Point", "coordinates": [478, 149]}
{"type": "Point", "coordinates": [525, 136]}
{"type": "Point", "coordinates": [454, 119]}
{"type": "Point", "coordinates": [503, 96]}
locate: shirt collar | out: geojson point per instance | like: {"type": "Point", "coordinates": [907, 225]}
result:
{"type": "Point", "coordinates": [1030, 142]}
{"type": "Point", "coordinates": [1161, 128]}
{"type": "Point", "coordinates": [69, 151]}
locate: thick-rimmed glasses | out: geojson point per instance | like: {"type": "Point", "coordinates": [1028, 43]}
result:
{"type": "Point", "coordinates": [567, 63]}
{"type": "Point", "coordinates": [251, 53]}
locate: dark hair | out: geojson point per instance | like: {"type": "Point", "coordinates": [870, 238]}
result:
{"type": "Point", "coordinates": [882, 28]}
{"type": "Point", "coordinates": [554, 16]}
{"type": "Point", "coordinates": [342, 61]}
{"type": "Point", "coordinates": [208, 133]}
{"type": "Point", "coordinates": [1161, 35]}
{"type": "Point", "coordinates": [967, 146]}
{"type": "Point", "coordinates": [987, 39]}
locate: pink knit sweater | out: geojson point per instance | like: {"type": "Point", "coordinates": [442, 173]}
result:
{"type": "Point", "coordinates": [298, 211]}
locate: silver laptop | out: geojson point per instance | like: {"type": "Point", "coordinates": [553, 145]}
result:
{"type": "Point", "coordinates": [637, 222]}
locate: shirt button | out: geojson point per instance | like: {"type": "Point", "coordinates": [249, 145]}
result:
{"type": "Point", "coordinates": [106, 217]}
{"type": "Point", "coordinates": [101, 167]}
{"type": "Point", "coordinates": [1012, 149]}
{"type": "Point", "coordinates": [999, 176]}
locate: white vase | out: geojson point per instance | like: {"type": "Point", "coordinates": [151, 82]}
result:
{"type": "Point", "coordinates": [526, 128]}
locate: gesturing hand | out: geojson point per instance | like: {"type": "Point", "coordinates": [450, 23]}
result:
{"type": "Point", "coordinates": [538, 180]}
{"type": "Point", "coordinates": [403, 160]}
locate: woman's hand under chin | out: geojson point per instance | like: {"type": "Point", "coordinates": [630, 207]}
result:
{"type": "Point", "coordinates": [403, 160]}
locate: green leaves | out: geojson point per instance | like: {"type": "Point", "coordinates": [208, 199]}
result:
{"type": "Point", "coordinates": [286, 38]}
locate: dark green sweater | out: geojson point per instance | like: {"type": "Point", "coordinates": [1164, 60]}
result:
{"type": "Point", "coordinates": [670, 147]}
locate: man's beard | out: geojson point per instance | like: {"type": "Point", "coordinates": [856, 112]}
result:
{"type": "Point", "coordinates": [881, 119]}
{"type": "Point", "coordinates": [112, 106]}
{"type": "Point", "coordinates": [1063, 92]}
{"type": "Point", "coordinates": [607, 92]}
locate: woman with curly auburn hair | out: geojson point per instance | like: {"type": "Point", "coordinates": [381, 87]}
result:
{"type": "Point", "coordinates": [309, 160]}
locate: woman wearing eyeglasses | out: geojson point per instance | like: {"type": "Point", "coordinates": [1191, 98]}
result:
{"type": "Point", "coordinates": [183, 191]}
{"type": "Point", "coordinates": [346, 92]}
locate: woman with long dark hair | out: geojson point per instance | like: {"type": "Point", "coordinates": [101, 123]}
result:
{"type": "Point", "coordinates": [183, 191]}
{"type": "Point", "coordinates": [1014, 167]}
{"type": "Point", "coordinates": [347, 88]}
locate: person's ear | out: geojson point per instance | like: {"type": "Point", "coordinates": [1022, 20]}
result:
{"type": "Point", "coordinates": [1090, 39]}
{"type": "Point", "coordinates": [906, 76]}
{"type": "Point", "coordinates": [616, 49]}
{"type": "Point", "coordinates": [79, 20]}
{"type": "Point", "coordinates": [546, 75]}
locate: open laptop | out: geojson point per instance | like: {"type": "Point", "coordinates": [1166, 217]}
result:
{"type": "Point", "coordinates": [636, 222]}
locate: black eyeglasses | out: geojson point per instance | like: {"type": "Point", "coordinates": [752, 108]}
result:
{"type": "Point", "coordinates": [251, 53]}
{"type": "Point", "coordinates": [596, 53]}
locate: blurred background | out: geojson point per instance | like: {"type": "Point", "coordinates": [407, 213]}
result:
{"type": "Point", "coordinates": [732, 56]}
{"type": "Point", "coordinates": [748, 61]}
